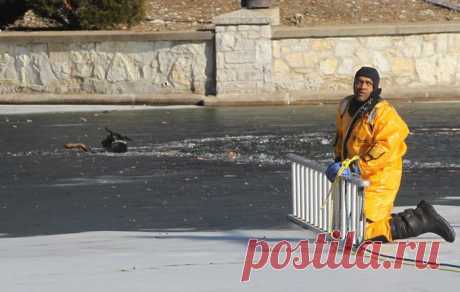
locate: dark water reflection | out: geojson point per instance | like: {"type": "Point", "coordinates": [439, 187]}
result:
{"type": "Point", "coordinates": [178, 172]}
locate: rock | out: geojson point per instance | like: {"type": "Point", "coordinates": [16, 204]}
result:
{"type": "Point", "coordinates": [280, 67]}
{"type": "Point", "coordinates": [402, 66]}
{"type": "Point", "coordinates": [425, 70]}
{"type": "Point", "coordinates": [427, 13]}
{"type": "Point", "coordinates": [295, 60]}
{"type": "Point", "coordinates": [346, 67]}
{"type": "Point", "coordinates": [158, 22]}
{"type": "Point", "coordinates": [328, 66]}
{"type": "Point", "coordinates": [298, 19]}
{"type": "Point", "coordinates": [345, 47]}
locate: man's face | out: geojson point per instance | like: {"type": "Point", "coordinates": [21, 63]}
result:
{"type": "Point", "coordinates": [363, 88]}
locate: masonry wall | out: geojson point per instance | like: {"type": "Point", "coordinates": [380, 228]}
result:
{"type": "Point", "coordinates": [328, 64]}
{"type": "Point", "coordinates": [113, 64]}
{"type": "Point", "coordinates": [245, 59]}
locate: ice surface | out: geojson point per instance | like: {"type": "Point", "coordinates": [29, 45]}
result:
{"type": "Point", "coordinates": [189, 260]}
{"type": "Point", "coordinates": [181, 260]}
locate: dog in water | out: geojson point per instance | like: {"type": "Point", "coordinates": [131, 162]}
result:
{"type": "Point", "coordinates": [115, 142]}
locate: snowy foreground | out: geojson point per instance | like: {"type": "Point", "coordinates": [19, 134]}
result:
{"type": "Point", "coordinates": [194, 261]}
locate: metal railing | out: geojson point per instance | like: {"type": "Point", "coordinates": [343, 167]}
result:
{"type": "Point", "coordinates": [313, 209]}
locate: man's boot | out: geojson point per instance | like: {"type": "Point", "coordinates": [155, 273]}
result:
{"type": "Point", "coordinates": [423, 219]}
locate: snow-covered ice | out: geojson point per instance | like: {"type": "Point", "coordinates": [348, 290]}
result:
{"type": "Point", "coordinates": [185, 260]}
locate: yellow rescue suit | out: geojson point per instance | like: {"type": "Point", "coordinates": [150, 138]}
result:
{"type": "Point", "coordinates": [377, 137]}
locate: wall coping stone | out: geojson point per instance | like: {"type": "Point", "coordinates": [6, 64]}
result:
{"type": "Point", "coordinates": [279, 32]}
{"type": "Point", "coordinates": [102, 36]}
{"type": "Point", "coordinates": [249, 17]}
{"type": "Point", "coordinates": [323, 31]}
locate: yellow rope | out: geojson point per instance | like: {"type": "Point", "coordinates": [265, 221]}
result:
{"type": "Point", "coordinates": [345, 164]}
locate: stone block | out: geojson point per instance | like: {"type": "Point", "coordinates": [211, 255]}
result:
{"type": "Point", "coordinates": [346, 67]}
{"type": "Point", "coordinates": [322, 45]}
{"type": "Point", "coordinates": [381, 62]}
{"type": "Point", "coordinates": [442, 43]}
{"type": "Point", "coordinates": [247, 57]}
{"type": "Point", "coordinates": [279, 66]}
{"type": "Point", "coordinates": [247, 28]}
{"type": "Point", "coordinates": [403, 81]}
{"type": "Point", "coordinates": [273, 14]}
{"type": "Point", "coordinates": [446, 69]}
{"type": "Point", "coordinates": [220, 60]}
{"type": "Point", "coordinates": [264, 52]}
{"type": "Point", "coordinates": [225, 42]}
{"type": "Point", "coordinates": [453, 44]}
{"type": "Point", "coordinates": [310, 59]}
{"type": "Point", "coordinates": [402, 66]}
{"type": "Point", "coordinates": [295, 60]}
{"type": "Point", "coordinates": [285, 49]}
{"type": "Point", "coordinates": [345, 47]}
{"type": "Point", "coordinates": [266, 31]}
{"type": "Point", "coordinates": [328, 66]}
{"type": "Point", "coordinates": [222, 29]}
{"type": "Point", "coordinates": [226, 75]}
{"type": "Point", "coordinates": [244, 45]}
{"type": "Point", "coordinates": [276, 49]}
{"type": "Point", "coordinates": [253, 35]}
{"type": "Point", "coordinates": [297, 46]}
{"type": "Point", "coordinates": [411, 46]}
{"type": "Point", "coordinates": [427, 49]}
{"type": "Point", "coordinates": [426, 70]}
{"type": "Point", "coordinates": [362, 56]}
{"type": "Point", "coordinates": [379, 43]}
{"type": "Point", "coordinates": [249, 17]}
{"type": "Point", "coordinates": [250, 75]}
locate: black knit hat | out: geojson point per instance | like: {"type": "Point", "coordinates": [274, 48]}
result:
{"type": "Point", "coordinates": [371, 73]}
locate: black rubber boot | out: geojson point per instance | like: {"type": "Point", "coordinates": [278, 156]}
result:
{"type": "Point", "coordinates": [423, 219]}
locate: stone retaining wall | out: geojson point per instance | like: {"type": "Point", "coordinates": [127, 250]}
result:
{"type": "Point", "coordinates": [118, 64]}
{"type": "Point", "coordinates": [247, 58]}
{"type": "Point", "coordinates": [320, 62]}
{"type": "Point", "coordinates": [413, 61]}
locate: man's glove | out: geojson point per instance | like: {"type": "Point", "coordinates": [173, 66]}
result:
{"type": "Point", "coordinates": [332, 169]}
{"type": "Point", "coordinates": [355, 169]}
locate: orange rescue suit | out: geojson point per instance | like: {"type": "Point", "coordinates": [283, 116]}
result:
{"type": "Point", "coordinates": [378, 139]}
